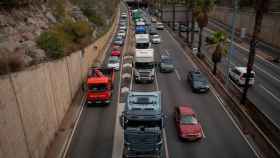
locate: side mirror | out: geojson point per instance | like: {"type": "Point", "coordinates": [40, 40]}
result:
{"type": "Point", "coordinates": [84, 87]}
{"type": "Point", "coordinates": [121, 119]}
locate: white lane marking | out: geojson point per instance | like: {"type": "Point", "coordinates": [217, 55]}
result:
{"type": "Point", "coordinates": [68, 143]}
{"type": "Point", "coordinates": [233, 121]}
{"type": "Point", "coordinates": [268, 74]}
{"type": "Point", "coordinates": [221, 103]}
{"type": "Point", "coordinates": [269, 92]}
{"type": "Point", "coordinates": [262, 70]}
{"type": "Point", "coordinates": [247, 50]}
{"type": "Point", "coordinates": [164, 130]}
{"type": "Point", "coordinates": [166, 51]}
{"type": "Point", "coordinates": [178, 75]}
{"type": "Point", "coordinates": [203, 134]}
{"type": "Point", "coordinates": [183, 51]}
{"type": "Point", "coordinates": [165, 144]}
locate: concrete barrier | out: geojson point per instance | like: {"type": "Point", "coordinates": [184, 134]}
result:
{"type": "Point", "coordinates": [33, 102]}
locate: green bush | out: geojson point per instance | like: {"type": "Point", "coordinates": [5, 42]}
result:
{"type": "Point", "coordinates": [93, 17]}
{"type": "Point", "coordinates": [52, 43]}
{"type": "Point", "coordinates": [65, 38]}
{"type": "Point", "coordinates": [76, 30]}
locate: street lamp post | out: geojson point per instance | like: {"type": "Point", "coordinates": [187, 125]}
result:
{"type": "Point", "coordinates": [231, 41]}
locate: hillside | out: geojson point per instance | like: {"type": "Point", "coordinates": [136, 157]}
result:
{"type": "Point", "coordinates": [35, 31]}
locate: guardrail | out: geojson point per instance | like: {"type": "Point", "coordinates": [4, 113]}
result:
{"type": "Point", "coordinates": [264, 132]}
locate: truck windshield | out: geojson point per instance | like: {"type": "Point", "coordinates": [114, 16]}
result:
{"type": "Point", "coordinates": [142, 45]}
{"type": "Point", "coordinates": [97, 87]}
{"type": "Point", "coordinates": [144, 65]}
{"type": "Point", "coordinates": [146, 124]}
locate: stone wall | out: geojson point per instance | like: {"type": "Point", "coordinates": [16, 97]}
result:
{"type": "Point", "coordinates": [33, 102]}
{"type": "Point", "coordinates": [270, 26]}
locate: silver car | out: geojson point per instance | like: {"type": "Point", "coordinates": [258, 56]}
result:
{"type": "Point", "coordinates": [166, 64]}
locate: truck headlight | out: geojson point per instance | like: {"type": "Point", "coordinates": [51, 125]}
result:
{"type": "Point", "coordinates": [136, 73]}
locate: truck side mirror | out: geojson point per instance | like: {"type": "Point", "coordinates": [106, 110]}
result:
{"type": "Point", "coordinates": [121, 119]}
{"type": "Point", "coordinates": [163, 120]}
{"type": "Point", "coordinates": [84, 87]}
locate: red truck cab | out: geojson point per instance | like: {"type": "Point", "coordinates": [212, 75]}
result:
{"type": "Point", "coordinates": [99, 85]}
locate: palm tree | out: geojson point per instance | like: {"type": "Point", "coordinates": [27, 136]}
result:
{"type": "Point", "coordinates": [192, 5]}
{"type": "Point", "coordinates": [219, 40]}
{"type": "Point", "coordinates": [187, 5]}
{"type": "Point", "coordinates": [201, 11]}
{"type": "Point", "coordinates": [261, 7]}
{"type": "Point", "coordinates": [173, 13]}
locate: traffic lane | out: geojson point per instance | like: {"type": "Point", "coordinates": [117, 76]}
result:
{"type": "Point", "coordinates": [265, 92]}
{"type": "Point", "coordinates": [271, 81]}
{"type": "Point", "coordinates": [95, 132]}
{"type": "Point", "coordinates": [222, 138]}
{"type": "Point", "coordinates": [265, 68]}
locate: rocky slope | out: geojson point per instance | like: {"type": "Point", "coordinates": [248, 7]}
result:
{"type": "Point", "coordinates": [21, 26]}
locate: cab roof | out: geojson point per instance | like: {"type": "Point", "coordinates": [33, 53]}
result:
{"type": "Point", "coordinates": [98, 80]}
{"type": "Point", "coordinates": [185, 110]}
{"type": "Point", "coordinates": [242, 69]}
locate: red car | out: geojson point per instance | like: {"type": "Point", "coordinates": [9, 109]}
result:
{"type": "Point", "coordinates": [116, 53]}
{"type": "Point", "coordinates": [187, 125]}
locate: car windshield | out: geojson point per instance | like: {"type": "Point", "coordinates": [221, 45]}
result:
{"type": "Point", "coordinates": [149, 123]}
{"type": "Point", "coordinates": [144, 65]}
{"type": "Point", "coordinates": [118, 38]}
{"type": "Point", "coordinates": [97, 87]}
{"type": "Point", "coordinates": [197, 76]}
{"type": "Point", "coordinates": [114, 60]}
{"type": "Point", "coordinates": [142, 45]}
{"type": "Point", "coordinates": [167, 60]}
{"type": "Point", "coordinates": [155, 36]}
{"type": "Point", "coordinates": [188, 119]}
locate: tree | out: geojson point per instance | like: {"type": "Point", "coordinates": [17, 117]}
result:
{"type": "Point", "coordinates": [187, 5]}
{"type": "Point", "coordinates": [261, 7]}
{"type": "Point", "coordinates": [219, 40]}
{"type": "Point", "coordinates": [201, 11]}
{"type": "Point", "coordinates": [192, 5]}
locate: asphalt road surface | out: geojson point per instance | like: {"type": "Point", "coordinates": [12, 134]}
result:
{"type": "Point", "coordinates": [94, 136]}
{"type": "Point", "coordinates": [265, 94]}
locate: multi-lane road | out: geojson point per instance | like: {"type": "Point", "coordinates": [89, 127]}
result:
{"type": "Point", "coordinates": [265, 94]}
{"type": "Point", "coordinates": [223, 138]}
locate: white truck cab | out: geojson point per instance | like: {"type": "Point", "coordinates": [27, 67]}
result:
{"type": "Point", "coordinates": [142, 41]}
{"type": "Point", "coordinates": [144, 65]}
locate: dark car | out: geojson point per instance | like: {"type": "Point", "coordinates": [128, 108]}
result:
{"type": "Point", "coordinates": [188, 126]}
{"type": "Point", "coordinates": [198, 81]}
{"type": "Point", "coordinates": [118, 40]}
{"type": "Point", "coordinates": [166, 64]}
{"type": "Point", "coordinates": [153, 31]}
{"type": "Point", "coordinates": [184, 28]}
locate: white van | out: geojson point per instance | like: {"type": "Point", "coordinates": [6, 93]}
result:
{"type": "Point", "coordinates": [238, 75]}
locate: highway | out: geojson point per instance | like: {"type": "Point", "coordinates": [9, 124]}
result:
{"type": "Point", "coordinates": [95, 132]}
{"type": "Point", "coordinates": [223, 139]}
{"type": "Point", "coordinates": [265, 94]}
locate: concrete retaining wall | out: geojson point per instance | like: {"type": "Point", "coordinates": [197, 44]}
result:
{"type": "Point", "coordinates": [270, 26]}
{"type": "Point", "coordinates": [33, 102]}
